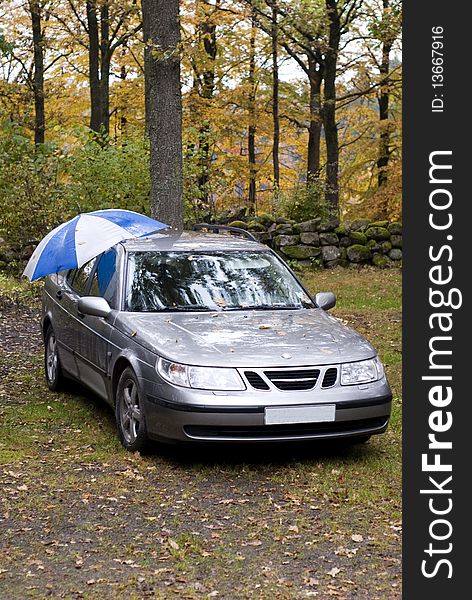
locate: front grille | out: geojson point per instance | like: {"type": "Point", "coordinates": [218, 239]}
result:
{"type": "Point", "coordinates": [301, 379]}
{"type": "Point", "coordinates": [256, 380]}
{"type": "Point", "coordinates": [287, 431]}
{"type": "Point", "coordinates": [330, 377]}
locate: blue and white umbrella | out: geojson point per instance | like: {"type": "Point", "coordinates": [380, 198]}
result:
{"type": "Point", "coordinates": [77, 241]}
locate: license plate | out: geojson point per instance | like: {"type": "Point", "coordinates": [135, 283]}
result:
{"type": "Point", "coordinates": [300, 414]}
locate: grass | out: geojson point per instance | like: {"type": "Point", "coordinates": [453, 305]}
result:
{"type": "Point", "coordinates": [364, 289]}
{"type": "Point", "coordinates": [80, 517]}
{"type": "Point", "coordinates": [17, 291]}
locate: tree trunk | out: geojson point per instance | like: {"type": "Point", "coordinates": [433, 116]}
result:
{"type": "Point", "coordinates": [94, 67]}
{"type": "Point", "coordinates": [207, 35]}
{"type": "Point", "coordinates": [329, 109]}
{"type": "Point", "coordinates": [105, 59]}
{"type": "Point", "coordinates": [38, 79]}
{"type": "Point", "coordinates": [314, 133]}
{"type": "Point", "coordinates": [383, 100]}
{"type": "Point", "coordinates": [162, 71]}
{"type": "Point", "coordinates": [275, 96]}
{"type": "Point", "coordinates": [148, 91]}
{"type": "Point", "coordinates": [252, 118]}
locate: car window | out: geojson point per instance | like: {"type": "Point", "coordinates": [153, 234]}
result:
{"type": "Point", "coordinates": [78, 278]}
{"type": "Point", "coordinates": [104, 280]}
{"type": "Point", "coordinates": [239, 280]}
{"type": "Point", "coordinates": [70, 276]}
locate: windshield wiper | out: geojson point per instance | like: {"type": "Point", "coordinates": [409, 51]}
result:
{"type": "Point", "coordinates": [265, 307]}
{"type": "Point", "coordinates": [183, 308]}
{"type": "Point", "coordinates": [189, 308]}
{"type": "Point", "coordinates": [204, 308]}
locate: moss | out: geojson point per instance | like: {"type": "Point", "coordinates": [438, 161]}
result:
{"type": "Point", "coordinates": [381, 261]}
{"type": "Point", "coordinates": [357, 237]}
{"type": "Point", "coordinates": [385, 246]}
{"type": "Point", "coordinates": [255, 226]}
{"type": "Point", "coordinates": [240, 224]}
{"type": "Point", "coordinates": [379, 224]}
{"type": "Point", "coordinates": [358, 253]}
{"type": "Point", "coordinates": [395, 228]}
{"type": "Point", "coordinates": [265, 219]}
{"type": "Point", "coordinates": [342, 230]}
{"type": "Point", "coordinates": [300, 252]}
{"type": "Point", "coordinates": [377, 233]}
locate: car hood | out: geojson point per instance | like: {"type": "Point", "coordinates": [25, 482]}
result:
{"type": "Point", "coordinates": [255, 339]}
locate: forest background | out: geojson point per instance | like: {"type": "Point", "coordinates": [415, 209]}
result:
{"type": "Point", "coordinates": [290, 107]}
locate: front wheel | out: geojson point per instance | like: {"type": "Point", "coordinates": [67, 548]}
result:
{"type": "Point", "coordinates": [130, 421]}
{"type": "Point", "coordinates": [52, 365]}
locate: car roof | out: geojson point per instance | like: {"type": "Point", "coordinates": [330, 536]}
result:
{"type": "Point", "coordinates": [191, 241]}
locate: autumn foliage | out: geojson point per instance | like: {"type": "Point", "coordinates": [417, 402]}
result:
{"type": "Point", "coordinates": [248, 72]}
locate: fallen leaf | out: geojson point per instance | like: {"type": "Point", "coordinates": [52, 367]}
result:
{"type": "Point", "coordinates": [254, 543]}
{"type": "Point", "coordinates": [173, 544]}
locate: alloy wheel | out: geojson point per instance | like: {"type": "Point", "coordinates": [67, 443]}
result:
{"type": "Point", "coordinates": [130, 412]}
{"type": "Point", "coordinates": [51, 358]}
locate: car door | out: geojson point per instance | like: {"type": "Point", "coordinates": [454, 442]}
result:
{"type": "Point", "coordinates": [67, 325]}
{"type": "Point", "coordinates": [96, 331]}
{"type": "Point", "coordinates": [62, 310]}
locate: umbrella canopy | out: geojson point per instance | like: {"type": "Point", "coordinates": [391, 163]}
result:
{"type": "Point", "coordinates": [77, 241]}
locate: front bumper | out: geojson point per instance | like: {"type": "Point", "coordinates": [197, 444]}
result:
{"type": "Point", "coordinates": [177, 414]}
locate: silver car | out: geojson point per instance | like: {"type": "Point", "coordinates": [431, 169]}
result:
{"type": "Point", "coordinates": [206, 337]}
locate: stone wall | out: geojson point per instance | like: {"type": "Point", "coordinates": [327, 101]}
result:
{"type": "Point", "coordinates": [315, 243]}
{"type": "Point", "coordinates": [327, 243]}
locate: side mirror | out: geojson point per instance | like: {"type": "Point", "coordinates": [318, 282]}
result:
{"type": "Point", "coordinates": [325, 300]}
{"type": "Point", "coordinates": [93, 306]}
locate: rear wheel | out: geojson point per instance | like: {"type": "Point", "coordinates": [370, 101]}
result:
{"type": "Point", "coordinates": [52, 364]}
{"type": "Point", "coordinates": [130, 421]}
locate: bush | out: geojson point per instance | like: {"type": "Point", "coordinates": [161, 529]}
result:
{"type": "Point", "coordinates": [31, 195]}
{"type": "Point", "coordinates": [43, 186]}
{"type": "Point", "coordinates": [110, 176]}
{"type": "Point", "coordinates": [304, 202]}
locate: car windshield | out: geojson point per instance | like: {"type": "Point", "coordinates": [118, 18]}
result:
{"type": "Point", "coordinates": [186, 281]}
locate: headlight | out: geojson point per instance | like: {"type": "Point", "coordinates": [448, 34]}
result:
{"type": "Point", "coordinates": [202, 378]}
{"type": "Point", "coordinates": [363, 371]}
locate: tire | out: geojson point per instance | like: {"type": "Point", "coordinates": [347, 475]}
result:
{"type": "Point", "coordinates": [52, 364]}
{"type": "Point", "coordinates": [130, 421]}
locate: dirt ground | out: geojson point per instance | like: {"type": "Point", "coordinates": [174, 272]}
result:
{"type": "Point", "coordinates": [82, 518]}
